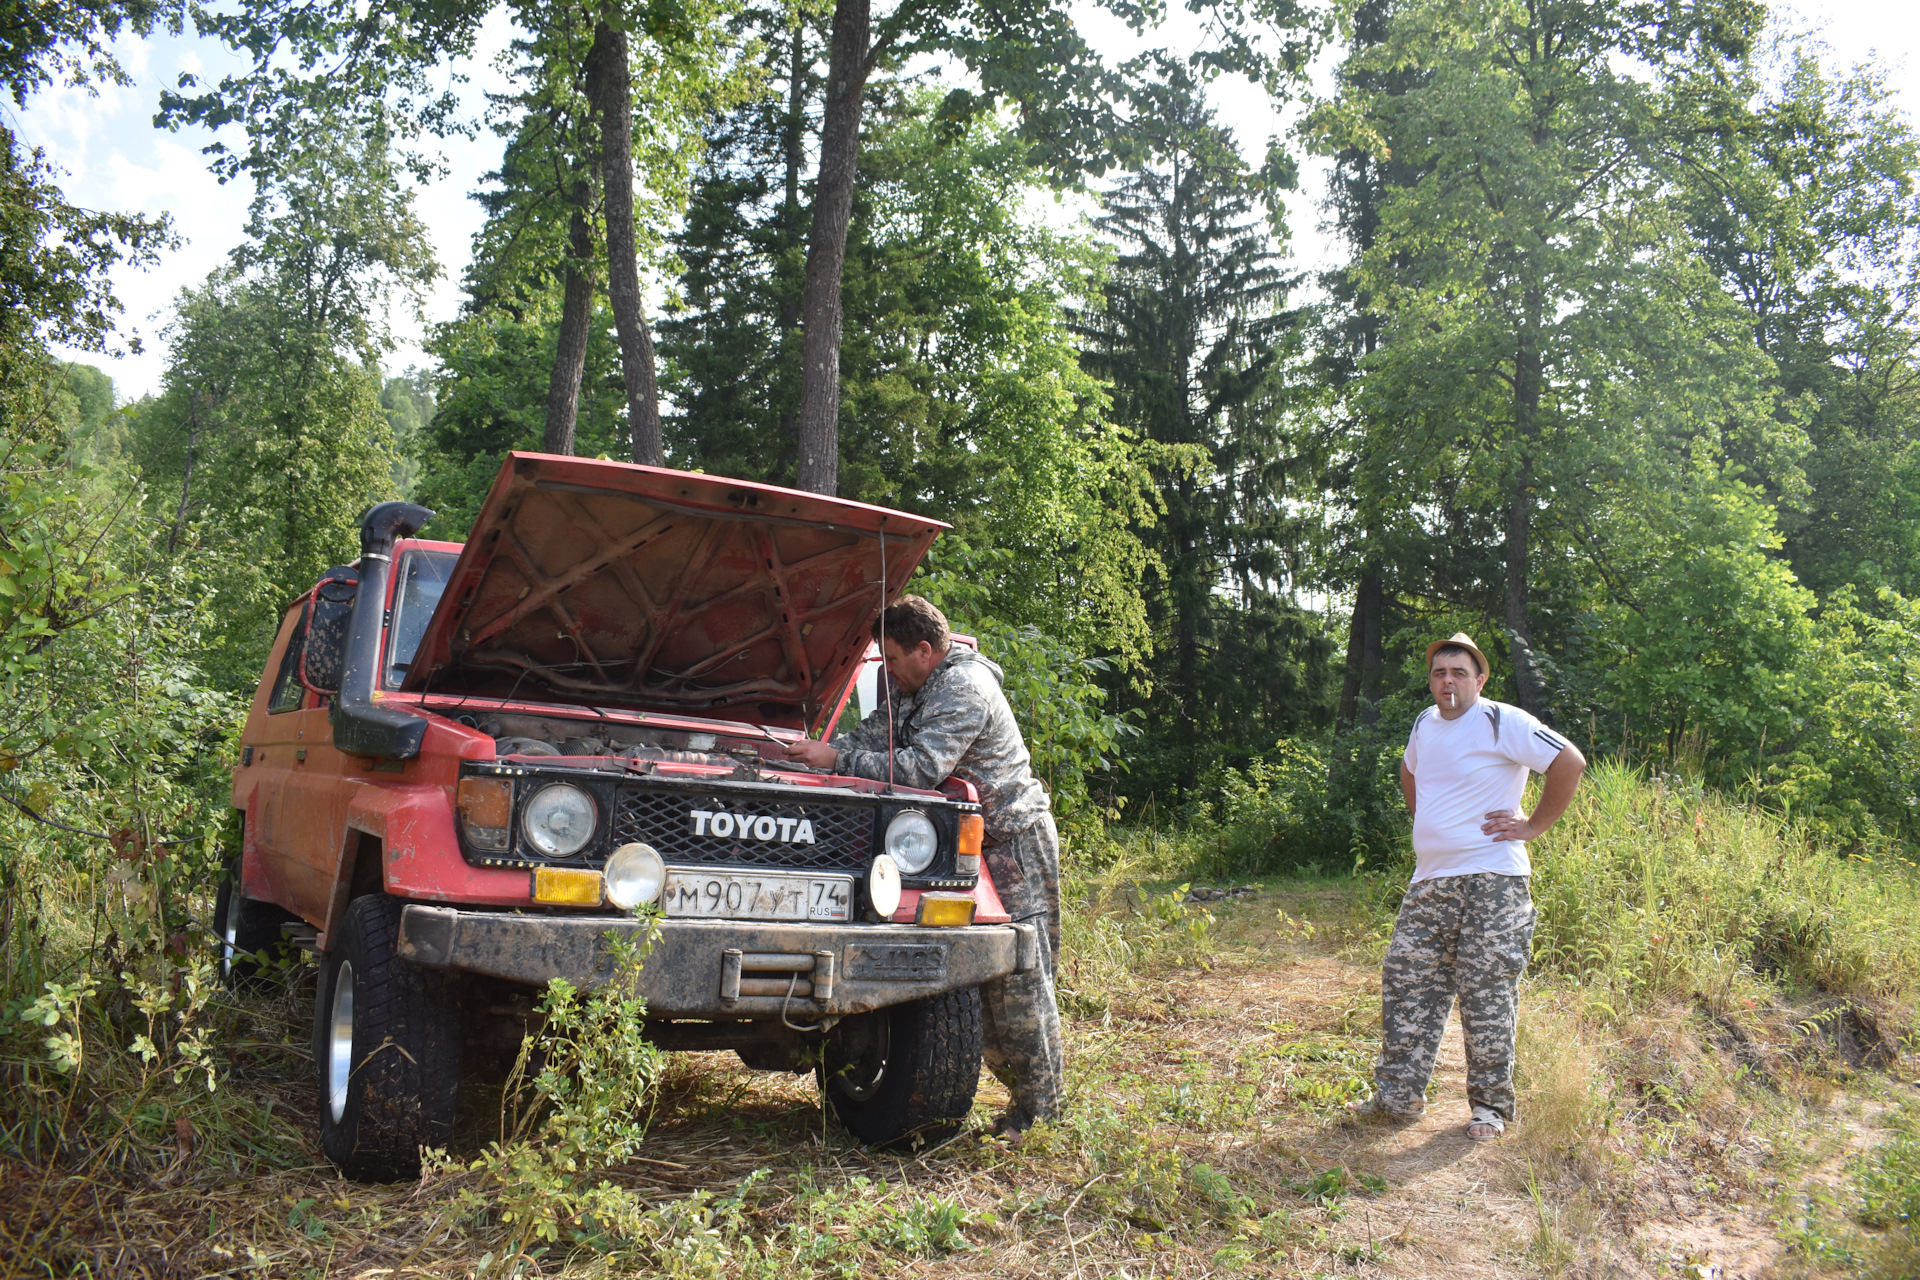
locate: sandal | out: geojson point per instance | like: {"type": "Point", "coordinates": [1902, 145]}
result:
{"type": "Point", "coordinates": [1488, 1124]}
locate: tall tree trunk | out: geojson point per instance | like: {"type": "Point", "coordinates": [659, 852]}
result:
{"type": "Point", "coordinates": [1350, 682]}
{"type": "Point", "coordinates": [793, 129]}
{"type": "Point", "coordinates": [1190, 589]}
{"type": "Point", "coordinates": [847, 68]}
{"type": "Point", "coordinates": [576, 315]}
{"type": "Point", "coordinates": [610, 91]}
{"type": "Point", "coordinates": [1360, 691]}
{"type": "Point", "coordinates": [1373, 645]}
{"type": "Point", "coordinates": [793, 144]}
{"type": "Point", "coordinates": [1527, 388]}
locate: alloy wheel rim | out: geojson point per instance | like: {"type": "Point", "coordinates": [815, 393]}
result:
{"type": "Point", "coordinates": [340, 1041]}
{"type": "Point", "coordinates": [230, 928]}
{"type": "Point", "coordinates": [864, 1075]}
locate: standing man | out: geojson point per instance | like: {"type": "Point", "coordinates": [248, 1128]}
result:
{"type": "Point", "coordinates": [1465, 928]}
{"type": "Point", "coordinates": [954, 721]}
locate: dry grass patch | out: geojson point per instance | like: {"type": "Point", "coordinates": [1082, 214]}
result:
{"type": "Point", "coordinates": [1206, 1136]}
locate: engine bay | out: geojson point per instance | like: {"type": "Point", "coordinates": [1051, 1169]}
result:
{"type": "Point", "coordinates": [557, 736]}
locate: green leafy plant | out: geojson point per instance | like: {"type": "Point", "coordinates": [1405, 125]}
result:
{"type": "Point", "coordinates": [577, 1101]}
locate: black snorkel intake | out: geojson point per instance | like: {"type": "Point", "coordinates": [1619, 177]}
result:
{"type": "Point", "coordinates": [361, 726]}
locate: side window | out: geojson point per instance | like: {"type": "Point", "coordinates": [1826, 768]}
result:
{"type": "Point", "coordinates": [287, 689]}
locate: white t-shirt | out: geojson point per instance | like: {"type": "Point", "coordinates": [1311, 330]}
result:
{"type": "Point", "coordinates": [1463, 769]}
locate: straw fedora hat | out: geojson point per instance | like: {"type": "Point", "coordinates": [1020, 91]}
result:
{"type": "Point", "coordinates": [1458, 640]}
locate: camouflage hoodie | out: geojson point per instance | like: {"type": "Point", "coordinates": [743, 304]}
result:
{"type": "Point", "coordinates": [958, 725]}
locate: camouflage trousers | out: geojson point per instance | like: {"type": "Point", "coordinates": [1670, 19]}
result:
{"type": "Point", "coordinates": [1456, 936]}
{"type": "Point", "coordinates": [1022, 1021]}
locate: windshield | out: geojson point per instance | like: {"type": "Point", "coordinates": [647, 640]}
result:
{"type": "Point", "coordinates": [423, 576]}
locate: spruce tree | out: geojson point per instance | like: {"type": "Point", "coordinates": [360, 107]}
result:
{"type": "Point", "coordinates": [1193, 334]}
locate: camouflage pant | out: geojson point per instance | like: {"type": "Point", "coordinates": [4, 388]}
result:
{"type": "Point", "coordinates": [1466, 936]}
{"type": "Point", "coordinates": [1023, 1045]}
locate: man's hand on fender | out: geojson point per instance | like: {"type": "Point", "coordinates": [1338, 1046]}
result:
{"type": "Point", "coordinates": [817, 754]}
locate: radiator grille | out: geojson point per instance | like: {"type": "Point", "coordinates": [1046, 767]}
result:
{"type": "Point", "coordinates": [842, 834]}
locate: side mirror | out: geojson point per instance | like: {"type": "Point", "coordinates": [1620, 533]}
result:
{"type": "Point", "coordinates": [329, 615]}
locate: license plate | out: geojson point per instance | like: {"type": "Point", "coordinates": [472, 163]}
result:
{"type": "Point", "coordinates": [757, 895]}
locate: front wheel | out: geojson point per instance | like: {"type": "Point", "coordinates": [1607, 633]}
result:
{"type": "Point", "coordinates": [905, 1074]}
{"type": "Point", "coordinates": [386, 1048]}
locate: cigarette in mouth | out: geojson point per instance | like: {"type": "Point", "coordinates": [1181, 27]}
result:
{"type": "Point", "coordinates": [1450, 701]}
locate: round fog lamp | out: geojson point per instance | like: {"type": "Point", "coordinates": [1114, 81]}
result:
{"type": "Point", "coordinates": [635, 875]}
{"type": "Point", "coordinates": [883, 885]}
{"type": "Point", "coordinates": [912, 842]}
{"type": "Point", "coordinates": [559, 820]}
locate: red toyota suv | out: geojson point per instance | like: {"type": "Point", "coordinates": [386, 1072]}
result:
{"type": "Point", "coordinates": [469, 768]}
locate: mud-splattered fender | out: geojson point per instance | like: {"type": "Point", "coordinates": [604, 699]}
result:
{"type": "Point", "coordinates": [415, 826]}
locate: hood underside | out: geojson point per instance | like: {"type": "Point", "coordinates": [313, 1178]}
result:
{"type": "Point", "coordinates": [607, 584]}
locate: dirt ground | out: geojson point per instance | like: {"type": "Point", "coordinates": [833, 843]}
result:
{"type": "Point", "coordinates": [1207, 1137]}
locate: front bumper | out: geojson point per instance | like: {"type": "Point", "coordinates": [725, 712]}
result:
{"type": "Point", "coordinates": [725, 968]}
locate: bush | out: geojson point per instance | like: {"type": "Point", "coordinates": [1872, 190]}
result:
{"type": "Point", "coordinates": [577, 1102]}
{"type": "Point", "coordinates": [1661, 888]}
{"type": "Point", "coordinates": [1320, 804]}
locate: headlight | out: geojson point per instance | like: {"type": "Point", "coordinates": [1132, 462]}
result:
{"type": "Point", "coordinates": [912, 842]}
{"type": "Point", "coordinates": [559, 820]}
{"type": "Point", "coordinates": [635, 875]}
{"type": "Point", "coordinates": [883, 886]}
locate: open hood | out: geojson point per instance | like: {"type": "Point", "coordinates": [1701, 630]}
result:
{"type": "Point", "coordinates": [608, 584]}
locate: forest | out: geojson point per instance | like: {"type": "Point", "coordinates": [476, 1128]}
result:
{"type": "Point", "coordinates": [1618, 370]}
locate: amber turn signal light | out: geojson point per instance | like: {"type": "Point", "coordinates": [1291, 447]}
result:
{"type": "Point", "coordinates": [973, 832]}
{"type": "Point", "coordinates": [944, 910]}
{"type": "Point", "coordinates": [567, 887]}
{"type": "Point", "coordinates": [486, 812]}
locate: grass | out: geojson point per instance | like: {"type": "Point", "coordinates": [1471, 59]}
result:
{"type": "Point", "coordinates": [1651, 891]}
{"type": "Point", "coordinates": [1708, 1034]}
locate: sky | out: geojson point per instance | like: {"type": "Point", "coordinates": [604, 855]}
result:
{"type": "Point", "coordinates": [113, 158]}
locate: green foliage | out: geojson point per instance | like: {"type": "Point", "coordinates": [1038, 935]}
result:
{"type": "Point", "coordinates": [408, 401]}
{"type": "Point", "coordinates": [1707, 630]}
{"type": "Point", "coordinates": [270, 438]}
{"type": "Point", "coordinates": [1551, 350]}
{"type": "Point", "coordinates": [1274, 810]}
{"type": "Point", "coordinates": [496, 360]}
{"type": "Point", "coordinates": [116, 745]}
{"type": "Point", "coordinates": [1191, 331]}
{"type": "Point", "coordinates": [1888, 1184]}
{"type": "Point", "coordinates": [259, 465]}
{"type": "Point", "coordinates": [491, 398]}
{"type": "Point", "coordinates": [1885, 1186]}
{"type": "Point", "coordinates": [1654, 888]}
{"type": "Point", "coordinates": [1849, 770]}
{"type": "Point", "coordinates": [1632, 386]}
{"type": "Point", "coordinates": [57, 575]}
{"type": "Point", "coordinates": [54, 285]}
{"type": "Point", "coordinates": [1808, 216]}
{"type": "Point", "coordinates": [962, 395]}
{"type": "Point", "coordinates": [585, 1109]}
{"type": "Point", "coordinates": [1121, 933]}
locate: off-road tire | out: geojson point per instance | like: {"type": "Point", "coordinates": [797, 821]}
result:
{"type": "Point", "coordinates": [905, 1075]}
{"type": "Point", "coordinates": [242, 928]}
{"type": "Point", "coordinates": [402, 1077]}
